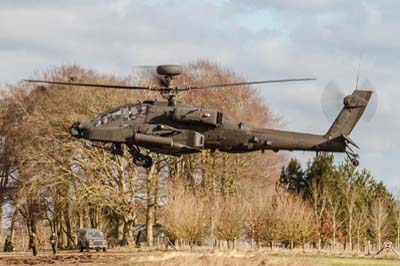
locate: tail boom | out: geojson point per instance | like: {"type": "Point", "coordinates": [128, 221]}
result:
{"type": "Point", "coordinates": [335, 140]}
{"type": "Point", "coordinates": [286, 140]}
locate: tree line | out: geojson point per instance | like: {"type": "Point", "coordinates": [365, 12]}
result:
{"type": "Point", "coordinates": [350, 206]}
{"type": "Point", "coordinates": [50, 182]}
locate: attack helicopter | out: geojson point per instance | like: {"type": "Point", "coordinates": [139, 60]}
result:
{"type": "Point", "coordinates": [172, 128]}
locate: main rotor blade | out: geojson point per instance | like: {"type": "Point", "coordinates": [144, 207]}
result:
{"type": "Point", "coordinates": [151, 72]}
{"type": "Point", "coordinates": [248, 83]}
{"type": "Point", "coordinates": [90, 85]}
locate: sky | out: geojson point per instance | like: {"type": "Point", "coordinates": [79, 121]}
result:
{"type": "Point", "coordinates": [260, 39]}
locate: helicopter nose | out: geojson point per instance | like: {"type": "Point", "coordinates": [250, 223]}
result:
{"type": "Point", "coordinates": [76, 130]}
{"type": "Point", "coordinates": [80, 129]}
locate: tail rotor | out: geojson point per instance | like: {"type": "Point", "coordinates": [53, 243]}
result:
{"type": "Point", "coordinates": [332, 100]}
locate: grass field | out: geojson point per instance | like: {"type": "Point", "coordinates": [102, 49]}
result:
{"type": "Point", "coordinates": [239, 259]}
{"type": "Point", "coordinates": [134, 257]}
{"type": "Point", "coordinates": [340, 261]}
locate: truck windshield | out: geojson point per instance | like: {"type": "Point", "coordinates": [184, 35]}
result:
{"type": "Point", "coordinates": [94, 234]}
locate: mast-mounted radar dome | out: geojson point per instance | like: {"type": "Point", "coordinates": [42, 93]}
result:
{"type": "Point", "coordinates": [169, 70]}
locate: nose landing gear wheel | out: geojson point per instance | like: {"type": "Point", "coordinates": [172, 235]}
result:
{"type": "Point", "coordinates": [143, 160]}
{"type": "Point", "coordinates": [140, 159]}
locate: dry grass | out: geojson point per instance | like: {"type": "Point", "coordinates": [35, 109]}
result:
{"type": "Point", "coordinates": [217, 259]}
{"type": "Point", "coordinates": [151, 258]}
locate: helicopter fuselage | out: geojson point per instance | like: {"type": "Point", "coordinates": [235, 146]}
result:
{"type": "Point", "coordinates": [183, 129]}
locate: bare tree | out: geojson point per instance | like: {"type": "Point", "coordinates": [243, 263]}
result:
{"type": "Point", "coordinates": [351, 193]}
{"type": "Point", "coordinates": [186, 215]}
{"type": "Point", "coordinates": [231, 217]}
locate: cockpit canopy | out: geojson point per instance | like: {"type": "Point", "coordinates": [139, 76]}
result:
{"type": "Point", "coordinates": [123, 113]}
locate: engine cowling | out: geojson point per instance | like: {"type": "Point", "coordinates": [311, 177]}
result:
{"type": "Point", "coordinates": [197, 116]}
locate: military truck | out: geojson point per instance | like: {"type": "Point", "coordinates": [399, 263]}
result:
{"type": "Point", "coordinates": [91, 238]}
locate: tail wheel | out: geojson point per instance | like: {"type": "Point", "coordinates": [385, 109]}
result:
{"type": "Point", "coordinates": [139, 159]}
{"type": "Point", "coordinates": [355, 162]}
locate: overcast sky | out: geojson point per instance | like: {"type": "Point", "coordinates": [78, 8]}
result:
{"type": "Point", "coordinates": [258, 39]}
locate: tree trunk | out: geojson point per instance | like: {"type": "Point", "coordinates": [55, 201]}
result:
{"type": "Point", "coordinates": [398, 236]}
{"type": "Point", "coordinates": [61, 239]}
{"type": "Point", "coordinates": [1, 216]}
{"type": "Point", "coordinates": [150, 206]}
{"type": "Point", "coordinates": [120, 232]}
{"type": "Point", "coordinates": [68, 227]}
{"type": "Point", "coordinates": [12, 226]}
{"type": "Point", "coordinates": [334, 234]}
{"type": "Point", "coordinates": [127, 233]}
{"type": "Point", "coordinates": [97, 217]}
{"type": "Point", "coordinates": [80, 219]}
{"type": "Point", "coordinates": [379, 239]}
{"type": "Point", "coordinates": [369, 248]}
{"type": "Point", "coordinates": [87, 217]}
{"type": "Point", "coordinates": [130, 233]}
{"type": "Point", "coordinates": [155, 197]}
{"type": "Point", "coordinates": [379, 224]}
{"type": "Point", "coordinates": [92, 217]}
{"type": "Point", "coordinates": [358, 240]}
{"type": "Point", "coordinates": [350, 232]}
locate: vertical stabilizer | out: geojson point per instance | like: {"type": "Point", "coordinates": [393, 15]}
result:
{"type": "Point", "coordinates": [354, 106]}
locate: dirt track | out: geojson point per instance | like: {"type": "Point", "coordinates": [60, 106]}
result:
{"type": "Point", "coordinates": [134, 257]}
{"type": "Point", "coordinates": [146, 257]}
{"type": "Point", "coordinates": [124, 257]}
{"type": "Point", "coordinates": [68, 258]}
{"type": "Point", "coordinates": [114, 257]}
